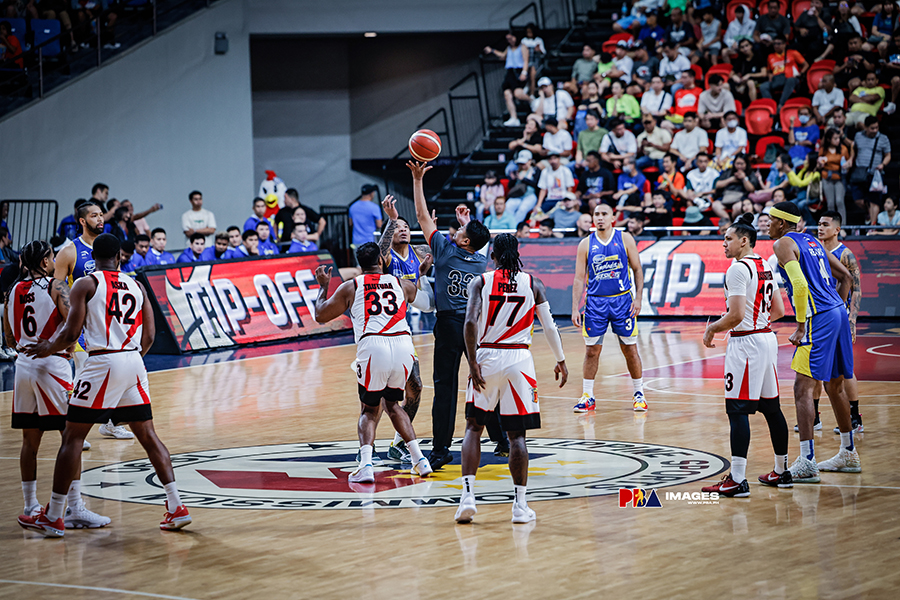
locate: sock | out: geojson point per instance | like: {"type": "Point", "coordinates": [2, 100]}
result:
{"type": "Point", "coordinates": [781, 463]}
{"type": "Point", "coordinates": [638, 385]}
{"type": "Point", "coordinates": [74, 495]}
{"type": "Point", "coordinates": [468, 485]}
{"type": "Point", "coordinates": [854, 408]}
{"type": "Point", "coordinates": [397, 439]}
{"type": "Point", "coordinates": [847, 440]}
{"type": "Point", "coordinates": [414, 452]}
{"type": "Point", "coordinates": [738, 468]}
{"type": "Point", "coordinates": [365, 455]}
{"type": "Point", "coordinates": [29, 492]}
{"type": "Point", "coordinates": [808, 449]}
{"type": "Point", "coordinates": [173, 500]}
{"type": "Point", "coordinates": [520, 495]}
{"type": "Point", "coordinates": [587, 387]}
{"type": "Point", "coordinates": [57, 506]}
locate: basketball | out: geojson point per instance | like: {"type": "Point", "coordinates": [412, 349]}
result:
{"type": "Point", "coordinates": [425, 145]}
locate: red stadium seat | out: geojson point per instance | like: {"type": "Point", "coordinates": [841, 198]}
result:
{"type": "Point", "coordinates": [797, 7]}
{"type": "Point", "coordinates": [799, 101]}
{"type": "Point", "coordinates": [698, 72]}
{"type": "Point", "coordinates": [723, 69]}
{"type": "Point", "coordinates": [758, 119]}
{"type": "Point", "coordinates": [768, 103]}
{"type": "Point", "coordinates": [739, 108]}
{"type": "Point", "coordinates": [789, 111]}
{"type": "Point", "coordinates": [733, 4]}
{"type": "Point", "coordinates": [816, 72]}
{"type": "Point", "coordinates": [761, 146]}
{"type": "Point", "coordinates": [621, 36]}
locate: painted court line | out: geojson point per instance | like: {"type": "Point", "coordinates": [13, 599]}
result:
{"type": "Point", "coordinates": [95, 589]}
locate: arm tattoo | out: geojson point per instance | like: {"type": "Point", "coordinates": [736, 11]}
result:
{"type": "Point", "coordinates": [384, 243]}
{"type": "Point", "coordinates": [421, 250]}
{"type": "Point", "coordinates": [63, 291]}
{"type": "Point", "coordinates": [855, 288]}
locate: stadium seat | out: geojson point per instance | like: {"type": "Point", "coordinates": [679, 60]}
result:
{"type": "Point", "coordinates": [797, 7]}
{"type": "Point", "coordinates": [790, 109]}
{"type": "Point", "coordinates": [739, 108]}
{"type": "Point", "coordinates": [799, 101]}
{"type": "Point", "coordinates": [723, 69]}
{"type": "Point", "coordinates": [610, 44]}
{"type": "Point", "coordinates": [758, 118]}
{"type": "Point", "coordinates": [816, 72]}
{"type": "Point", "coordinates": [698, 72]}
{"type": "Point", "coordinates": [44, 31]}
{"type": "Point", "coordinates": [760, 151]}
{"type": "Point", "coordinates": [18, 29]}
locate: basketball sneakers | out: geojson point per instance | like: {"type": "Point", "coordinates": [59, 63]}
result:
{"type": "Point", "coordinates": [817, 425]}
{"type": "Point", "coordinates": [522, 514]}
{"type": "Point", "coordinates": [729, 488]}
{"type": "Point", "coordinates": [175, 520]}
{"type": "Point", "coordinates": [466, 510]}
{"type": "Point", "coordinates": [363, 474]}
{"type": "Point", "coordinates": [640, 404]}
{"type": "Point", "coordinates": [845, 461]}
{"type": "Point", "coordinates": [773, 479]}
{"type": "Point", "coordinates": [805, 471]}
{"type": "Point", "coordinates": [422, 468]}
{"type": "Point", "coordinates": [118, 432]}
{"type": "Point", "coordinates": [79, 517]}
{"type": "Point", "coordinates": [856, 425]}
{"type": "Point", "coordinates": [397, 453]}
{"type": "Point", "coordinates": [43, 525]}
{"type": "Point", "coordinates": [587, 403]}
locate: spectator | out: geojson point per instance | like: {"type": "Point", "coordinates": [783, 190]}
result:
{"type": "Point", "coordinates": [566, 212]}
{"type": "Point", "coordinates": [724, 224]}
{"type": "Point", "coordinates": [618, 144]}
{"type": "Point", "coordinates": [770, 26]}
{"type": "Point", "coordinates": [300, 220]}
{"type": "Point", "coordinates": [883, 25]}
{"type": "Point", "coordinates": [710, 37]}
{"type": "Point", "coordinates": [688, 142]}
{"type": "Point", "coordinates": [714, 103]}
{"type": "Point", "coordinates": [234, 237]}
{"type": "Point", "coordinates": [129, 260]}
{"type": "Point", "coordinates": [591, 99]}
{"type": "Point", "coordinates": [653, 142]}
{"type": "Point", "coordinates": [680, 33]}
{"type": "Point", "coordinates": [499, 218]}
{"type": "Point", "coordinates": [806, 184]}
{"type": "Point", "coordinates": [198, 219]}
{"type": "Point", "coordinates": [546, 229]}
{"type": "Point", "coordinates": [365, 215]}
{"type": "Point", "coordinates": [633, 188]}
{"type": "Point", "coordinates": [687, 98]}
{"type": "Point", "coordinates": [621, 105]}
{"type": "Point", "coordinates": [590, 139]}
{"type": "Point", "coordinates": [744, 206]}
{"type": "Point", "coordinates": [582, 71]}
{"type": "Point", "coordinates": [265, 246]}
{"type": "Point", "coordinates": [531, 140]}
{"type": "Point", "coordinates": [10, 48]}
{"type": "Point", "coordinates": [731, 140]}
{"type": "Point", "coordinates": [865, 101]}
{"type": "Point", "coordinates": [810, 27]}
{"type": "Point", "coordinates": [888, 217]}
{"type": "Point", "coordinates": [537, 52]}
{"type": "Point", "coordinates": [522, 195]}
{"type": "Point", "coordinates": [100, 196]}
{"type": "Point", "coordinates": [733, 185]}
{"type": "Point", "coordinates": [157, 254]}
{"type": "Point", "coordinates": [873, 153]}
{"type": "Point", "coordinates": [122, 227]}
{"type": "Point", "coordinates": [555, 181]}
{"type": "Point", "coordinates": [69, 226]}
{"type": "Point", "coordinates": [844, 24]}
{"type": "Point", "coordinates": [300, 241]}
{"type": "Point", "coordinates": [670, 180]}
{"type": "Point", "coordinates": [673, 63]}
{"type": "Point", "coordinates": [635, 225]}
{"type": "Point", "coordinates": [623, 65]}
{"type": "Point", "coordinates": [490, 190]}
{"type": "Point", "coordinates": [551, 102]}
{"type": "Point", "coordinates": [141, 248]}
{"type": "Point", "coordinates": [595, 183]}
{"type": "Point", "coordinates": [219, 248]}
{"type": "Point", "coordinates": [854, 64]}
{"type": "Point", "coordinates": [762, 225]}
{"type": "Point", "coordinates": [741, 28]}
{"type": "Point", "coordinates": [248, 247]}
{"type": "Point", "coordinates": [693, 217]}
{"type": "Point", "coordinates": [523, 230]}
{"type": "Point", "coordinates": [646, 66]}
{"type": "Point", "coordinates": [826, 99]}
{"type": "Point", "coordinates": [657, 101]}
{"type": "Point", "coordinates": [284, 219]}
{"type": "Point", "coordinates": [749, 71]}
{"type": "Point", "coordinates": [651, 34]}
{"type": "Point", "coordinates": [557, 141]}
{"type": "Point", "coordinates": [582, 227]}
{"type": "Point", "coordinates": [803, 135]}
{"type": "Point", "coordinates": [657, 214]}
{"type": "Point", "coordinates": [785, 67]}
{"type": "Point", "coordinates": [517, 63]}
{"type": "Point", "coordinates": [258, 216]}
{"type": "Point", "coordinates": [834, 161]}
{"type": "Point", "coordinates": [700, 183]}
{"type": "Point", "coordinates": [194, 252]}
{"type": "Point", "coordinates": [7, 253]}
{"type": "Point", "coordinates": [632, 19]}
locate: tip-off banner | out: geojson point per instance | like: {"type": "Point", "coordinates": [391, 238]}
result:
{"type": "Point", "coordinates": [234, 303]}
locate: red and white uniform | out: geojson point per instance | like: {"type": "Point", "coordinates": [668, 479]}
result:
{"type": "Point", "coordinates": [384, 348]}
{"type": "Point", "coordinates": [42, 385]}
{"type": "Point", "coordinates": [507, 366]}
{"type": "Point", "coordinates": [114, 373]}
{"type": "Point", "coordinates": [752, 352]}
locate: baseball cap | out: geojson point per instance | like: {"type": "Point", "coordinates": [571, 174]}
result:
{"type": "Point", "coordinates": [544, 81]}
{"type": "Point", "coordinates": [621, 44]}
{"type": "Point", "coordinates": [368, 188]}
{"type": "Point", "coordinates": [570, 196]}
{"type": "Point", "coordinates": [524, 156]}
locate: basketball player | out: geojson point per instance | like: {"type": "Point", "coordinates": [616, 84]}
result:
{"type": "Point", "coordinates": [117, 320]}
{"type": "Point", "coordinates": [603, 260]}
{"type": "Point", "coordinates": [384, 350]}
{"type": "Point", "coordinates": [828, 233]}
{"type": "Point", "coordinates": [406, 262]}
{"type": "Point", "coordinates": [36, 307]}
{"type": "Point", "coordinates": [500, 319]}
{"type": "Point", "coordinates": [751, 358]}
{"type": "Point", "coordinates": [824, 350]}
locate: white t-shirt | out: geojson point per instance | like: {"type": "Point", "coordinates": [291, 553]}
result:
{"type": "Point", "coordinates": [199, 219]}
{"type": "Point", "coordinates": [675, 67]}
{"type": "Point", "coordinates": [731, 144]}
{"type": "Point", "coordinates": [885, 219]}
{"type": "Point", "coordinates": [703, 182]}
{"type": "Point", "coordinates": [557, 182]}
{"type": "Point", "coordinates": [654, 103]}
{"type": "Point", "coordinates": [558, 142]}
{"type": "Point", "coordinates": [689, 144]}
{"type": "Point", "coordinates": [557, 105]}
{"type": "Point", "coordinates": [626, 65]}
{"type": "Point", "coordinates": [625, 144]}
{"type": "Point", "coordinates": [824, 101]}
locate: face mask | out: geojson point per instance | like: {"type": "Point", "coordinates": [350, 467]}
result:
{"type": "Point", "coordinates": [732, 124]}
{"type": "Point", "coordinates": [804, 119]}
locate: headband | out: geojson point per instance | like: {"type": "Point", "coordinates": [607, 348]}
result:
{"type": "Point", "coordinates": [780, 214]}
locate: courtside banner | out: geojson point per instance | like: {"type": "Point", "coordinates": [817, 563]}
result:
{"type": "Point", "coordinates": [686, 276]}
{"type": "Point", "coordinates": [233, 303]}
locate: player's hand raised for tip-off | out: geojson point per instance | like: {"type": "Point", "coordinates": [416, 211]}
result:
{"type": "Point", "coordinates": [425, 265]}
{"type": "Point", "coordinates": [463, 215]}
{"type": "Point", "coordinates": [418, 168]}
{"type": "Point", "coordinates": [390, 207]}
{"type": "Point", "coordinates": [475, 376]}
{"type": "Point", "coordinates": [562, 373]}
{"type": "Point", "coordinates": [323, 276]}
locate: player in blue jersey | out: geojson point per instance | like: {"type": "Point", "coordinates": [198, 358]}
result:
{"type": "Point", "coordinates": [824, 349]}
{"type": "Point", "coordinates": [603, 262]}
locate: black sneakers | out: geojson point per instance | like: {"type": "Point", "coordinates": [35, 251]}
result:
{"type": "Point", "coordinates": [439, 457]}
{"type": "Point", "coordinates": [784, 480]}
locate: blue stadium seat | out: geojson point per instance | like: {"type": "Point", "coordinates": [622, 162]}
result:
{"type": "Point", "coordinates": [18, 30]}
{"type": "Point", "coordinates": [44, 30]}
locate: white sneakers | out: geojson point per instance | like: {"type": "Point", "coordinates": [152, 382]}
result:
{"type": "Point", "coordinates": [422, 468]}
{"type": "Point", "coordinates": [513, 122]}
{"type": "Point", "coordinates": [80, 517]}
{"type": "Point", "coordinates": [890, 108]}
{"type": "Point", "coordinates": [805, 471]}
{"type": "Point", "coordinates": [115, 431]}
{"type": "Point", "coordinates": [845, 461]}
{"type": "Point", "coordinates": [364, 474]}
{"type": "Point", "coordinates": [522, 514]}
{"type": "Point", "coordinates": [464, 513]}
{"type": "Point", "coordinates": [85, 446]}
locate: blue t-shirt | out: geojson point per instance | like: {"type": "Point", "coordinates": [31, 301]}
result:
{"type": "Point", "coordinates": [155, 258]}
{"type": "Point", "coordinates": [253, 221]}
{"type": "Point", "coordinates": [298, 247]}
{"type": "Point", "coordinates": [638, 180]}
{"type": "Point", "coordinates": [188, 256]}
{"type": "Point", "coordinates": [132, 265]}
{"type": "Point", "coordinates": [804, 133]}
{"type": "Point", "coordinates": [654, 33]}
{"type": "Point", "coordinates": [454, 268]}
{"type": "Point", "coordinates": [69, 227]}
{"type": "Point", "coordinates": [365, 216]}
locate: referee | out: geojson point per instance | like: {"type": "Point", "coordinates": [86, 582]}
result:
{"type": "Point", "coordinates": [455, 264]}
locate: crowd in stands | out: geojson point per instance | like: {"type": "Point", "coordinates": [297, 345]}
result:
{"type": "Point", "coordinates": [687, 118]}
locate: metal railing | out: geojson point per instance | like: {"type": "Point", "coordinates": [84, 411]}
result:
{"type": "Point", "coordinates": [336, 238]}
{"type": "Point", "coordinates": [538, 16]}
{"type": "Point", "coordinates": [29, 220]}
{"type": "Point", "coordinates": [466, 113]}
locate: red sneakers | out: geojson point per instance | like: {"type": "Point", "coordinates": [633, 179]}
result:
{"type": "Point", "coordinates": [175, 520]}
{"type": "Point", "coordinates": [43, 525]}
{"type": "Point", "coordinates": [784, 480]}
{"type": "Point", "coordinates": [729, 488]}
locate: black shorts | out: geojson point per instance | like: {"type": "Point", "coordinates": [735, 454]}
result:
{"type": "Point", "coordinates": [511, 81]}
{"type": "Point", "coordinates": [507, 422]}
{"type": "Point", "coordinates": [374, 398]}
{"type": "Point", "coordinates": [733, 406]}
{"type": "Point", "coordinates": [121, 414]}
{"type": "Point", "coordinates": [36, 421]}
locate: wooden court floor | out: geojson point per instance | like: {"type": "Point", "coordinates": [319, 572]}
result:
{"type": "Point", "coordinates": [837, 539]}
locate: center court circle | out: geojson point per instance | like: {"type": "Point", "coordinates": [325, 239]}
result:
{"type": "Point", "coordinates": [314, 476]}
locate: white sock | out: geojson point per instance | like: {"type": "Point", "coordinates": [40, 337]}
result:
{"type": "Point", "coordinates": [520, 495]}
{"type": "Point", "coordinates": [738, 468]}
{"type": "Point", "coordinates": [397, 438]}
{"type": "Point", "coordinates": [808, 449]}
{"type": "Point", "coordinates": [173, 500]}
{"type": "Point", "coordinates": [365, 455]}
{"type": "Point", "coordinates": [29, 492]}
{"type": "Point", "coordinates": [468, 485]}
{"type": "Point", "coordinates": [74, 495]}
{"type": "Point", "coordinates": [414, 452]}
{"type": "Point", "coordinates": [638, 385]}
{"type": "Point", "coordinates": [847, 440]}
{"type": "Point", "coordinates": [587, 387]}
{"type": "Point", "coordinates": [57, 506]}
{"type": "Point", "coordinates": [781, 463]}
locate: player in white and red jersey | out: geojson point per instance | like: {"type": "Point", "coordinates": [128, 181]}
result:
{"type": "Point", "coordinates": [36, 307]}
{"type": "Point", "coordinates": [384, 350]}
{"type": "Point", "coordinates": [112, 310]}
{"type": "Point", "coordinates": [751, 376]}
{"type": "Point", "coordinates": [498, 329]}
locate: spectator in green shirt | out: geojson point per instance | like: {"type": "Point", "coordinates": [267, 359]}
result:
{"type": "Point", "coordinates": [499, 218]}
{"type": "Point", "coordinates": [622, 105]}
{"type": "Point", "coordinates": [590, 138]}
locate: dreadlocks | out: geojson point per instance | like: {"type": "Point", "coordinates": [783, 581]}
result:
{"type": "Point", "coordinates": [33, 254]}
{"type": "Point", "coordinates": [506, 253]}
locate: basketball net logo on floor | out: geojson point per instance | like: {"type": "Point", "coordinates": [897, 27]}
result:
{"type": "Point", "coordinates": [315, 475]}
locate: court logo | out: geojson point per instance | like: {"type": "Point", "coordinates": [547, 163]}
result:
{"type": "Point", "coordinates": [314, 476]}
{"type": "Point", "coordinates": [638, 498]}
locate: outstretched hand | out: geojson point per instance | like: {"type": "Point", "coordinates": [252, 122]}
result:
{"type": "Point", "coordinates": [418, 169]}
{"type": "Point", "coordinates": [323, 276]}
{"type": "Point", "coordinates": [389, 204]}
{"type": "Point", "coordinates": [425, 265]}
{"type": "Point", "coordinates": [463, 216]}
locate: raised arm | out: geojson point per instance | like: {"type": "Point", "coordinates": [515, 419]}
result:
{"type": "Point", "coordinates": [578, 283]}
{"type": "Point", "coordinates": [387, 236]}
{"type": "Point", "coordinates": [328, 309]}
{"type": "Point", "coordinates": [470, 330]}
{"type": "Point", "coordinates": [149, 211]}
{"type": "Point", "coordinates": [634, 261]}
{"type": "Point", "coordinates": [148, 324]}
{"type": "Point", "coordinates": [418, 172]}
